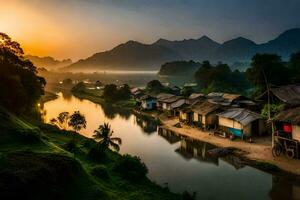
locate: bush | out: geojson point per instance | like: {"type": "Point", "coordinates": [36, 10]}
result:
{"type": "Point", "coordinates": [97, 154]}
{"type": "Point", "coordinates": [70, 146]}
{"type": "Point", "coordinates": [131, 168]}
{"type": "Point", "coordinates": [187, 196]}
{"type": "Point", "coordinates": [28, 135]}
{"type": "Point", "coordinates": [100, 172]}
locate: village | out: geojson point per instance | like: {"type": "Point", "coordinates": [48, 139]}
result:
{"type": "Point", "coordinates": [233, 120]}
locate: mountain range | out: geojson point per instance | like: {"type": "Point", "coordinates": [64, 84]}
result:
{"type": "Point", "coordinates": [48, 62]}
{"type": "Point", "coordinates": [134, 55]}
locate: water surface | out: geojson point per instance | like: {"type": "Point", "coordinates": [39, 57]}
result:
{"type": "Point", "coordinates": [178, 162]}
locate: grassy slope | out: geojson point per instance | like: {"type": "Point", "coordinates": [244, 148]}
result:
{"type": "Point", "coordinates": [32, 168]}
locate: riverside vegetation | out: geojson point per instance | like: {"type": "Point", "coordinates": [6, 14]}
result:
{"type": "Point", "coordinates": [36, 161]}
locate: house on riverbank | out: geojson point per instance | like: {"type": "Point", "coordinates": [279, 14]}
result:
{"type": "Point", "coordinates": [165, 101]}
{"type": "Point", "coordinates": [241, 123]}
{"type": "Point", "coordinates": [288, 123]}
{"type": "Point", "coordinates": [205, 114]}
{"type": "Point", "coordinates": [148, 102]}
{"type": "Point", "coordinates": [287, 94]}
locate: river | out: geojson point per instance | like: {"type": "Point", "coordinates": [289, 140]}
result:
{"type": "Point", "coordinates": [177, 162]}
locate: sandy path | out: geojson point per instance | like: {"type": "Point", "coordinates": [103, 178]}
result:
{"type": "Point", "coordinates": [260, 150]}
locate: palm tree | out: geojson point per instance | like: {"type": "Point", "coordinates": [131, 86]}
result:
{"type": "Point", "coordinates": [103, 135]}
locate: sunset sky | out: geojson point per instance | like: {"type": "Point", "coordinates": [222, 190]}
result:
{"type": "Point", "coordinates": [76, 29]}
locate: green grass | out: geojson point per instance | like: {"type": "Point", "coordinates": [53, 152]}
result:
{"type": "Point", "coordinates": [35, 165]}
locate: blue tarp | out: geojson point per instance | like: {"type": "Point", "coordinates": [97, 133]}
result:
{"type": "Point", "coordinates": [236, 132]}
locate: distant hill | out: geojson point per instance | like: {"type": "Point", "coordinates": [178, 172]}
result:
{"type": "Point", "coordinates": [191, 49]}
{"type": "Point", "coordinates": [48, 62]}
{"type": "Point", "coordinates": [129, 56]}
{"type": "Point", "coordinates": [137, 56]}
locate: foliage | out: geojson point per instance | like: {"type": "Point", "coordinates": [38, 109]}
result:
{"type": "Point", "coordinates": [294, 66]}
{"type": "Point", "coordinates": [20, 86]}
{"type": "Point", "coordinates": [112, 93]}
{"type": "Point", "coordinates": [100, 172]}
{"type": "Point", "coordinates": [179, 68]}
{"type": "Point", "coordinates": [62, 120]}
{"type": "Point", "coordinates": [80, 87]}
{"type": "Point", "coordinates": [103, 135]}
{"type": "Point", "coordinates": [67, 81]}
{"type": "Point", "coordinates": [267, 68]}
{"type": "Point", "coordinates": [154, 85]}
{"type": "Point", "coordinates": [187, 196]}
{"type": "Point", "coordinates": [220, 78]}
{"type": "Point", "coordinates": [77, 121]}
{"type": "Point", "coordinates": [274, 109]}
{"type": "Point", "coordinates": [186, 91]}
{"type": "Point", "coordinates": [70, 146]}
{"type": "Point", "coordinates": [131, 168]}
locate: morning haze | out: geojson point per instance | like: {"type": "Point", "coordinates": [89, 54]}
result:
{"type": "Point", "coordinates": [150, 99]}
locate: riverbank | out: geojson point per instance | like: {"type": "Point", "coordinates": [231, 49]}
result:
{"type": "Point", "coordinates": [48, 96]}
{"type": "Point", "coordinates": [39, 159]}
{"type": "Point", "coordinates": [258, 154]}
{"type": "Point", "coordinates": [96, 97]}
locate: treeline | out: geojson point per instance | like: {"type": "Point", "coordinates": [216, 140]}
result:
{"type": "Point", "coordinates": [20, 87]}
{"type": "Point", "coordinates": [175, 68]}
{"type": "Point", "coordinates": [113, 93]}
{"type": "Point", "coordinates": [264, 69]}
{"type": "Point", "coordinates": [220, 78]}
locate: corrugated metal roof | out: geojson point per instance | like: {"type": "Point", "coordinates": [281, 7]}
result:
{"type": "Point", "coordinates": [231, 97]}
{"type": "Point", "coordinates": [290, 116]}
{"type": "Point", "coordinates": [196, 95]}
{"type": "Point", "coordinates": [243, 116]}
{"type": "Point", "coordinates": [162, 96]}
{"type": "Point", "coordinates": [171, 99]}
{"type": "Point", "coordinates": [178, 103]}
{"type": "Point", "coordinates": [289, 94]}
{"type": "Point", "coordinates": [204, 108]}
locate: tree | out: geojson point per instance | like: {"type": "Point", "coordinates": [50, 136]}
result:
{"type": "Point", "coordinates": [62, 120]}
{"type": "Point", "coordinates": [80, 87]}
{"type": "Point", "coordinates": [270, 67]}
{"type": "Point", "coordinates": [155, 86]}
{"type": "Point", "coordinates": [103, 135]}
{"type": "Point", "coordinates": [77, 121]}
{"type": "Point", "coordinates": [20, 86]}
{"type": "Point", "coordinates": [294, 66]}
{"type": "Point", "coordinates": [67, 82]}
{"type": "Point", "coordinates": [110, 92]}
{"type": "Point", "coordinates": [203, 74]}
{"type": "Point", "coordinates": [124, 92]}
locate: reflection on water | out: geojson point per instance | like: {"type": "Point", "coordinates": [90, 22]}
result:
{"type": "Point", "coordinates": [181, 162]}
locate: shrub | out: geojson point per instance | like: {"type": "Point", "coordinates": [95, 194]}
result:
{"type": "Point", "coordinates": [131, 168]}
{"type": "Point", "coordinates": [28, 135]}
{"type": "Point", "coordinates": [187, 196]}
{"type": "Point", "coordinates": [100, 172]}
{"type": "Point", "coordinates": [97, 154]}
{"type": "Point", "coordinates": [70, 146]}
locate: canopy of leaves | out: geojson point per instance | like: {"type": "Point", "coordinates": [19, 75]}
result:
{"type": "Point", "coordinates": [112, 93]}
{"type": "Point", "coordinates": [268, 68]}
{"type": "Point", "coordinates": [179, 68]}
{"type": "Point", "coordinates": [103, 135]}
{"type": "Point", "coordinates": [20, 86]}
{"type": "Point", "coordinates": [77, 121]}
{"type": "Point", "coordinates": [220, 78]}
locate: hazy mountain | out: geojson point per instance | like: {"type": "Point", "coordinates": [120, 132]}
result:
{"type": "Point", "coordinates": [239, 49]}
{"type": "Point", "coordinates": [192, 49]}
{"type": "Point", "coordinates": [48, 62]}
{"type": "Point", "coordinates": [129, 56]}
{"type": "Point", "coordinates": [137, 56]}
{"type": "Point", "coordinates": [285, 44]}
